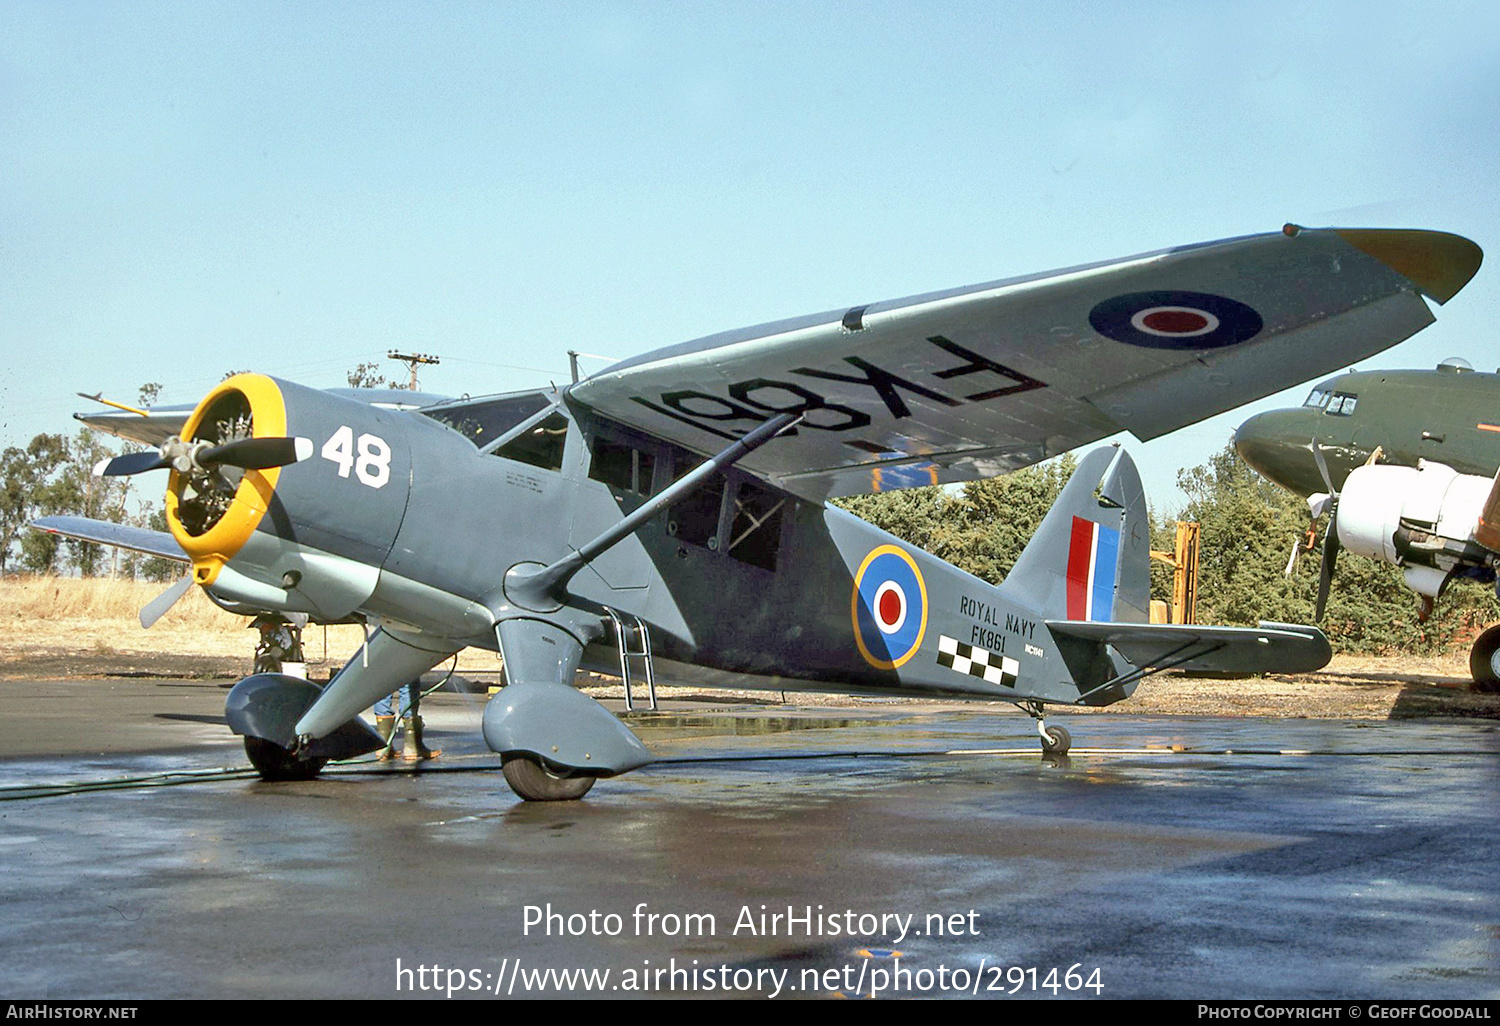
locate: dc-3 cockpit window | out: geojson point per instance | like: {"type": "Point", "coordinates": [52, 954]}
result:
{"type": "Point", "coordinates": [1341, 404]}
{"type": "Point", "coordinates": [486, 420]}
{"type": "Point", "coordinates": [1338, 404]}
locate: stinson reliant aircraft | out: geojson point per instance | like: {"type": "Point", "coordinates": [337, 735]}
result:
{"type": "Point", "coordinates": [667, 517]}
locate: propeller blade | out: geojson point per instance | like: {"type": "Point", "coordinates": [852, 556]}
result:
{"type": "Point", "coordinates": [1330, 557]}
{"type": "Point", "coordinates": [1317, 452]}
{"type": "Point", "coordinates": [154, 610]}
{"type": "Point", "coordinates": [257, 453]}
{"type": "Point", "coordinates": [131, 463]}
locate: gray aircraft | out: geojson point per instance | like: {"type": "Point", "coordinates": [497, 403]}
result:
{"type": "Point", "coordinates": [1404, 462]}
{"type": "Point", "coordinates": [667, 518]}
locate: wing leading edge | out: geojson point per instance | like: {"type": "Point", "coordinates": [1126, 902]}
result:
{"type": "Point", "coordinates": [972, 382]}
{"type": "Point", "coordinates": [136, 539]}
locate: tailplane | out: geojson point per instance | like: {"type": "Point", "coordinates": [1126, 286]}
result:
{"type": "Point", "coordinates": [1089, 559]}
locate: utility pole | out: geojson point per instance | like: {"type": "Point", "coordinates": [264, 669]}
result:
{"type": "Point", "coordinates": [412, 360]}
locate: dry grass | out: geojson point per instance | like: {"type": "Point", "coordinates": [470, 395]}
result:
{"type": "Point", "coordinates": [53, 599]}
{"type": "Point", "coordinates": [70, 626]}
{"type": "Point", "coordinates": [43, 617]}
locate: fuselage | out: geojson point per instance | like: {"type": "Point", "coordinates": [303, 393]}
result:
{"type": "Point", "coordinates": [415, 518]}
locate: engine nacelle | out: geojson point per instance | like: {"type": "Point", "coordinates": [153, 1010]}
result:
{"type": "Point", "coordinates": [1422, 519]}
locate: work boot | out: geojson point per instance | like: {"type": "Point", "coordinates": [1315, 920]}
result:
{"type": "Point", "coordinates": [385, 726]}
{"type": "Point", "coordinates": [415, 750]}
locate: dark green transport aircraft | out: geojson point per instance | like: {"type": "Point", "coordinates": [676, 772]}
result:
{"type": "Point", "coordinates": [1406, 461]}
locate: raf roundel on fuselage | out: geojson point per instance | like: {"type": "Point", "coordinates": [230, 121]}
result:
{"type": "Point", "coordinates": [889, 607]}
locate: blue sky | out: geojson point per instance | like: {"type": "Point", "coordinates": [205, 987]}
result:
{"type": "Point", "coordinates": [188, 189]}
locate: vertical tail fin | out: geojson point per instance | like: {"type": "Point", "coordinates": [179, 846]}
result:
{"type": "Point", "coordinates": [1089, 560]}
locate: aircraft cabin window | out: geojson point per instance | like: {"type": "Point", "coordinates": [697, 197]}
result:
{"type": "Point", "coordinates": [755, 536]}
{"type": "Point", "coordinates": [483, 422]}
{"type": "Point", "coordinates": [542, 446]}
{"type": "Point", "coordinates": [1318, 399]}
{"type": "Point", "coordinates": [622, 466]}
{"type": "Point", "coordinates": [696, 518]}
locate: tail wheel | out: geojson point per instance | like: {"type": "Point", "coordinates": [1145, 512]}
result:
{"type": "Point", "coordinates": [274, 762]}
{"type": "Point", "coordinates": [536, 783]}
{"type": "Point", "coordinates": [1484, 661]}
{"type": "Point", "coordinates": [1056, 741]}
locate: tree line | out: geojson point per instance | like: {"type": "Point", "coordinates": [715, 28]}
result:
{"type": "Point", "coordinates": [53, 475]}
{"type": "Point", "coordinates": [1248, 528]}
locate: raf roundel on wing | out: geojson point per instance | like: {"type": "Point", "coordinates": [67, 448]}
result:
{"type": "Point", "coordinates": [889, 607]}
{"type": "Point", "coordinates": [1171, 319]}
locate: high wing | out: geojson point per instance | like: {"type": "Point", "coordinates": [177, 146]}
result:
{"type": "Point", "coordinates": [1269, 648]}
{"type": "Point", "coordinates": [972, 382]}
{"type": "Point", "coordinates": [137, 539]}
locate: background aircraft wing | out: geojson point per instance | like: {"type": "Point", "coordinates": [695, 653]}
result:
{"type": "Point", "coordinates": [137, 539]}
{"type": "Point", "coordinates": [1269, 648]}
{"type": "Point", "coordinates": [155, 427]}
{"type": "Point", "coordinates": [158, 424]}
{"type": "Point", "coordinates": [973, 382]}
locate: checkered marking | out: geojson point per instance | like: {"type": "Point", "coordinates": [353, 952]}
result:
{"type": "Point", "coordinates": [993, 667]}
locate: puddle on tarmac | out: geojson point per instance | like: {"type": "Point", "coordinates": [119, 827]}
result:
{"type": "Point", "coordinates": [676, 725]}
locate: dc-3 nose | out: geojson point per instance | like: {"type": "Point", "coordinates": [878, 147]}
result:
{"type": "Point", "coordinates": [1278, 444]}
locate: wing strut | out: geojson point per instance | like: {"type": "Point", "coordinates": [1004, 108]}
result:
{"type": "Point", "coordinates": [1168, 661]}
{"type": "Point", "coordinates": [542, 590]}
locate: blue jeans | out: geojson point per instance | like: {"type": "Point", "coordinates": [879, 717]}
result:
{"type": "Point", "coordinates": [409, 698]}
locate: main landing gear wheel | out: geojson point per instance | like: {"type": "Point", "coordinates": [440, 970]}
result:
{"type": "Point", "coordinates": [274, 762]}
{"type": "Point", "coordinates": [1056, 740]}
{"type": "Point", "coordinates": [536, 783]}
{"type": "Point", "coordinates": [1484, 661]}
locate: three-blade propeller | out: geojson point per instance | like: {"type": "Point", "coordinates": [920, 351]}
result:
{"type": "Point", "coordinates": [186, 457]}
{"type": "Point", "coordinates": [1330, 536]}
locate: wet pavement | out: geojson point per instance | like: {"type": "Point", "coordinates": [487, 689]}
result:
{"type": "Point", "coordinates": [1180, 857]}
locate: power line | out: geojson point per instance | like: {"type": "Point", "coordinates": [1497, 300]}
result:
{"type": "Point", "coordinates": [412, 360]}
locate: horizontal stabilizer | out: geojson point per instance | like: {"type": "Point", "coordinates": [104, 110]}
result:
{"type": "Point", "coordinates": [1268, 648]}
{"type": "Point", "coordinates": [136, 539]}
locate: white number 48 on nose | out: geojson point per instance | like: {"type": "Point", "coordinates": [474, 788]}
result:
{"type": "Point", "coordinates": [372, 464]}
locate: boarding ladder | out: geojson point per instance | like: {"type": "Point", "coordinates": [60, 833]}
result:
{"type": "Point", "coordinates": [633, 639]}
